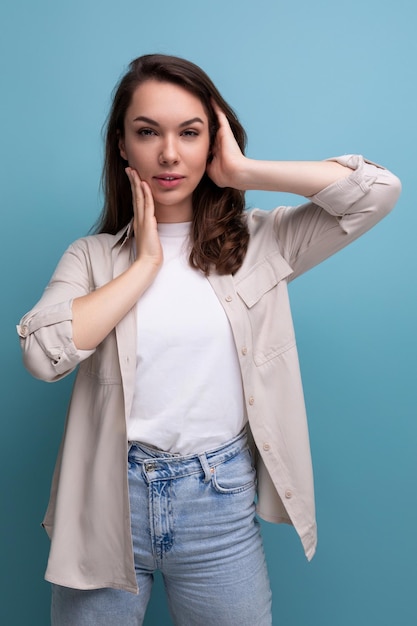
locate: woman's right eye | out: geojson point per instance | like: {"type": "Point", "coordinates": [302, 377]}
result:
{"type": "Point", "coordinates": [146, 132]}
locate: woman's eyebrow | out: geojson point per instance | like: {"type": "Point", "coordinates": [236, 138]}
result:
{"type": "Point", "coordinates": [192, 121]}
{"type": "Point", "coordinates": [148, 120]}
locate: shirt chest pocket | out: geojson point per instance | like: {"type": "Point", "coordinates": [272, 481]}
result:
{"type": "Point", "coordinates": [264, 293]}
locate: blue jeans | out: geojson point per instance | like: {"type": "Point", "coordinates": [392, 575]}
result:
{"type": "Point", "coordinates": [193, 518]}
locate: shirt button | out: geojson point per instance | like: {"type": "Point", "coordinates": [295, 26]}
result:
{"type": "Point", "coordinates": [288, 494]}
{"type": "Point", "coordinates": [266, 447]}
{"type": "Point", "coordinates": [244, 350]}
{"type": "Point", "coordinates": [251, 400]}
{"type": "Point", "coordinates": [228, 298]}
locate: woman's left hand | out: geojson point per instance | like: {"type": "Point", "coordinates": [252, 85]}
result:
{"type": "Point", "coordinates": [230, 168]}
{"type": "Point", "coordinates": [228, 163]}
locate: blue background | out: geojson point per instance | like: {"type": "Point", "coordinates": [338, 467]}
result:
{"type": "Point", "coordinates": [309, 80]}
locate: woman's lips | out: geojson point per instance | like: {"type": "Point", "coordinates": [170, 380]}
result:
{"type": "Point", "coordinates": [169, 181]}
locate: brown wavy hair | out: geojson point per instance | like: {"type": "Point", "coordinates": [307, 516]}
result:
{"type": "Point", "coordinates": [219, 231]}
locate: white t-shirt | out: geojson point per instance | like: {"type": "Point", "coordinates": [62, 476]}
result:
{"type": "Point", "coordinates": [188, 396]}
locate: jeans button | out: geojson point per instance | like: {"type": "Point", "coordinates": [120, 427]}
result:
{"type": "Point", "coordinates": [150, 466]}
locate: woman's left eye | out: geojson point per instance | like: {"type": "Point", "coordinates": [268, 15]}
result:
{"type": "Point", "coordinates": [190, 133]}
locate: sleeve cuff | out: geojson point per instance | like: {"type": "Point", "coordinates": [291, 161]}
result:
{"type": "Point", "coordinates": [46, 338]}
{"type": "Point", "coordinates": [341, 195]}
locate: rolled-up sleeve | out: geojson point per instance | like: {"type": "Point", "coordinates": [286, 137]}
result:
{"type": "Point", "coordinates": [49, 352]}
{"type": "Point", "coordinates": [45, 332]}
{"type": "Point", "coordinates": [337, 215]}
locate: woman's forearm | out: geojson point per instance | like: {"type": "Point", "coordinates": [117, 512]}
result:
{"type": "Point", "coordinates": [304, 178]}
{"type": "Point", "coordinates": [230, 168]}
{"type": "Point", "coordinates": [97, 313]}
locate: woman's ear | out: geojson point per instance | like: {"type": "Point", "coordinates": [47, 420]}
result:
{"type": "Point", "coordinates": [121, 145]}
{"type": "Point", "coordinates": [122, 148]}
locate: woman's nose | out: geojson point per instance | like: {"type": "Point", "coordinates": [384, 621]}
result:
{"type": "Point", "coordinates": [169, 152]}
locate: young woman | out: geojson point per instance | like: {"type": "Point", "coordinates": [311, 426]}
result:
{"type": "Point", "coordinates": [177, 314]}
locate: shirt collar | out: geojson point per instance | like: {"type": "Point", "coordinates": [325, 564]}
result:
{"type": "Point", "coordinates": [124, 234]}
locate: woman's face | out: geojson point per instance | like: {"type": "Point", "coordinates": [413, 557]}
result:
{"type": "Point", "coordinates": [166, 140]}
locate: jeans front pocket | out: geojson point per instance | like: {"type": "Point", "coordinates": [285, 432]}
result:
{"type": "Point", "coordinates": [235, 475]}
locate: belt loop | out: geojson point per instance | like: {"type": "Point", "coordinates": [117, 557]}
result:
{"type": "Point", "coordinates": [206, 468]}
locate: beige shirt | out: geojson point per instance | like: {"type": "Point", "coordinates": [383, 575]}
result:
{"type": "Point", "coordinates": [88, 517]}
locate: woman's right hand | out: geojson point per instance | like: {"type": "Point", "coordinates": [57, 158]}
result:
{"type": "Point", "coordinates": [95, 314]}
{"type": "Point", "coordinates": [148, 245]}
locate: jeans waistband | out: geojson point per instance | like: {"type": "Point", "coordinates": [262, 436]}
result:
{"type": "Point", "coordinates": [158, 464]}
